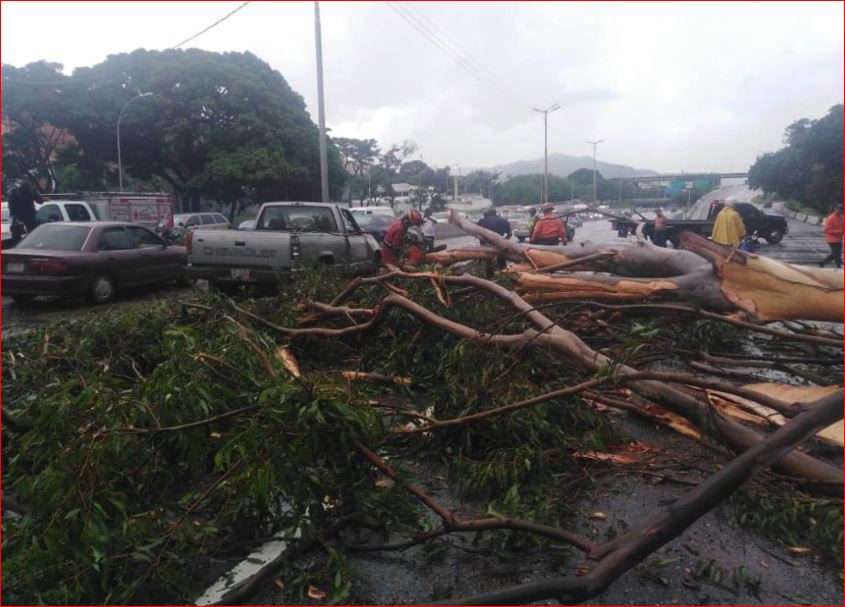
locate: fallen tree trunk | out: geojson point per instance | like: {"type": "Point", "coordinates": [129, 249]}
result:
{"type": "Point", "coordinates": [704, 273]}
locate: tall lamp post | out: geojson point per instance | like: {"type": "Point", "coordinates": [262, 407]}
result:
{"type": "Point", "coordinates": [119, 118]}
{"type": "Point", "coordinates": [594, 144]}
{"type": "Point", "coordinates": [324, 162]}
{"type": "Point", "coordinates": [545, 113]}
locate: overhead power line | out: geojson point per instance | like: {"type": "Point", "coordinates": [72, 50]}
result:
{"type": "Point", "coordinates": [489, 75]}
{"type": "Point", "coordinates": [440, 40]}
{"type": "Point", "coordinates": [213, 25]}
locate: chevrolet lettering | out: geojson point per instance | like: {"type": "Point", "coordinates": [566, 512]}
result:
{"type": "Point", "coordinates": [238, 252]}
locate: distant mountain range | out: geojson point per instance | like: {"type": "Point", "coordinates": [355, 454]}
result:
{"type": "Point", "coordinates": [563, 165]}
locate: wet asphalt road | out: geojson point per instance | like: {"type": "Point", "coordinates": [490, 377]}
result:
{"type": "Point", "coordinates": [803, 244]}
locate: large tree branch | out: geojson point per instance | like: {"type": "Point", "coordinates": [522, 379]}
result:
{"type": "Point", "coordinates": [452, 522]}
{"type": "Point", "coordinates": [673, 396]}
{"type": "Point", "coordinates": [609, 561]}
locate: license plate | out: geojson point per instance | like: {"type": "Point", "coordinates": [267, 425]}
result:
{"type": "Point", "coordinates": [240, 275]}
{"type": "Point", "coordinates": [14, 266]}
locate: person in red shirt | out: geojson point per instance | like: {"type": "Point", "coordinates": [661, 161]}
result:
{"type": "Point", "coordinates": [832, 227]}
{"type": "Point", "coordinates": [549, 229]}
{"type": "Point", "coordinates": [391, 246]}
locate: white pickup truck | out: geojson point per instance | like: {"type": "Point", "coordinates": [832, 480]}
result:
{"type": "Point", "coordinates": [287, 236]}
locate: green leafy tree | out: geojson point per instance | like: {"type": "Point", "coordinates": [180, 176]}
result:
{"type": "Point", "coordinates": [809, 168]}
{"type": "Point", "coordinates": [357, 157]}
{"type": "Point", "coordinates": [481, 182]}
{"type": "Point", "coordinates": [218, 127]}
{"type": "Point", "coordinates": [30, 114]}
{"type": "Point", "coordinates": [520, 189]}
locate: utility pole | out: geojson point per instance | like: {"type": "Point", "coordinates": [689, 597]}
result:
{"type": "Point", "coordinates": [545, 113]}
{"type": "Point", "coordinates": [594, 144]}
{"type": "Point", "coordinates": [324, 161]}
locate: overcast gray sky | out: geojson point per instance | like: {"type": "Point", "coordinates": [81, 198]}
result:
{"type": "Point", "coordinates": [669, 86]}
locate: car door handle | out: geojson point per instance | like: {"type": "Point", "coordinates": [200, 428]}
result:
{"type": "Point", "coordinates": [240, 243]}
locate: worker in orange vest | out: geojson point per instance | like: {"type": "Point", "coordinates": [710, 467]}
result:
{"type": "Point", "coordinates": [549, 229]}
{"type": "Point", "coordinates": [832, 227]}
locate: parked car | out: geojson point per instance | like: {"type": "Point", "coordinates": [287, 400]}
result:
{"type": "Point", "coordinates": [287, 236]}
{"type": "Point", "coordinates": [92, 259]}
{"type": "Point", "coordinates": [208, 221]}
{"type": "Point", "coordinates": [381, 210]}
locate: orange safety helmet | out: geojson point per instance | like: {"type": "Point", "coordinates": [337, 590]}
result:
{"type": "Point", "coordinates": [414, 217]}
{"type": "Point", "coordinates": [548, 206]}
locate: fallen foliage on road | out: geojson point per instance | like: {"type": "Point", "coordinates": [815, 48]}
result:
{"type": "Point", "coordinates": [142, 445]}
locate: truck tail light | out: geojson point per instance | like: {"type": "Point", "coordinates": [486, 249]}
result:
{"type": "Point", "coordinates": [48, 265]}
{"type": "Point", "coordinates": [295, 247]}
{"type": "Point", "coordinates": [189, 241]}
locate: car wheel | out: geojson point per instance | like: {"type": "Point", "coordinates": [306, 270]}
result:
{"type": "Point", "coordinates": [23, 300]}
{"type": "Point", "coordinates": [101, 289]}
{"type": "Point", "coordinates": [774, 236]}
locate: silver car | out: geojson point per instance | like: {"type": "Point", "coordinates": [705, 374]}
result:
{"type": "Point", "coordinates": [208, 221]}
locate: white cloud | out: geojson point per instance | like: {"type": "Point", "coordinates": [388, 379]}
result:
{"type": "Point", "coordinates": [670, 86]}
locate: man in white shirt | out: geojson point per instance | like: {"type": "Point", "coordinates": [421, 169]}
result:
{"type": "Point", "coordinates": [428, 229]}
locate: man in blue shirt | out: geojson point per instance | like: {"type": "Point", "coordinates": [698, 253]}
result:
{"type": "Point", "coordinates": [491, 221]}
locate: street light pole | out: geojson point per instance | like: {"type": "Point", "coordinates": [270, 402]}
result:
{"type": "Point", "coordinates": [119, 118]}
{"type": "Point", "coordinates": [324, 162]}
{"type": "Point", "coordinates": [594, 144]}
{"type": "Point", "coordinates": [545, 113]}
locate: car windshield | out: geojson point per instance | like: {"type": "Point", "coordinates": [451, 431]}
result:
{"type": "Point", "coordinates": [56, 238]}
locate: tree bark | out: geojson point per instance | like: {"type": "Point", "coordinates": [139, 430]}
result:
{"type": "Point", "coordinates": [705, 273]}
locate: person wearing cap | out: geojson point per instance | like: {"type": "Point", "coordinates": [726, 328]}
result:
{"type": "Point", "coordinates": [491, 221]}
{"type": "Point", "coordinates": [728, 228]}
{"type": "Point", "coordinates": [661, 232]}
{"type": "Point", "coordinates": [391, 246]}
{"type": "Point", "coordinates": [549, 229]}
{"type": "Point", "coordinates": [832, 227]}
